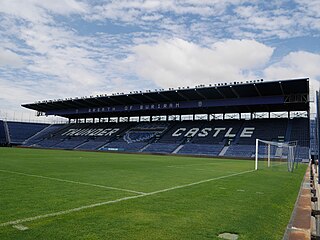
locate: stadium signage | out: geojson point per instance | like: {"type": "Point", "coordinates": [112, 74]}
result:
{"type": "Point", "coordinates": [173, 105]}
{"type": "Point", "coordinates": [135, 107]}
{"type": "Point", "coordinates": [96, 132]}
{"type": "Point", "coordinates": [247, 132]}
{"type": "Point", "coordinates": [204, 132]}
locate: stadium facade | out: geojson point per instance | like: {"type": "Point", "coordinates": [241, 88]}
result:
{"type": "Point", "coordinates": [217, 120]}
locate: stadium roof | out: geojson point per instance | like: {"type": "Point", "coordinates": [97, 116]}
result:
{"type": "Point", "coordinates": [235, 97]}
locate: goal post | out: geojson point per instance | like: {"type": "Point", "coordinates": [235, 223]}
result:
{"type": "Point", "coordinates": [271, 154]}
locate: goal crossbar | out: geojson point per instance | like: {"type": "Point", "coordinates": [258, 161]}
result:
{"type": "Point", "coordinates": [290, 147]}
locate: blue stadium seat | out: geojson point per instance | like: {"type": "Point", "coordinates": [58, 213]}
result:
{"type": "Point", "coordinates": [3, 138]}
{"type": "Point", "coordinates": [234, 138]}
{"type": "Point", "coordinates": [21, 131]}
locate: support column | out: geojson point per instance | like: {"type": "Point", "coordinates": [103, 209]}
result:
{"type": "Point", "coordinates": [256, 160]}
{"type": "Point", "coordinates": [269, 146]}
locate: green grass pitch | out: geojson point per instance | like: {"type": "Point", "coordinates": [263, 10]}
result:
{"type": "Point", "coordinates": [86, 195]}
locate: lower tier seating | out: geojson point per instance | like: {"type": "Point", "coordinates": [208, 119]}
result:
{"type": "Point", "coordinates": [229, 138]}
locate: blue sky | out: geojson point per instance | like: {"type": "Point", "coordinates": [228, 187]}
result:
{"type": "Point", "coordinates": [68, 48]}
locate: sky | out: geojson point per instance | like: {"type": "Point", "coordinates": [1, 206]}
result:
{"type": "Point", "coordinates": [70, 48]}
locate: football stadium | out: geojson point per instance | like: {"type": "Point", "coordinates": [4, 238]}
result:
{"type": "Point", "coordinates": [222, 161]}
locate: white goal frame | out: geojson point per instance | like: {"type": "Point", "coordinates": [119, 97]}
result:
{"type": "Point", "coordinates": [291, 152]}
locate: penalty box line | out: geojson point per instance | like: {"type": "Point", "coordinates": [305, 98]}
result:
{"type": "Point", "coordinates": [117, 200]}
{"type": "Point", "coordinates": [74, 182]}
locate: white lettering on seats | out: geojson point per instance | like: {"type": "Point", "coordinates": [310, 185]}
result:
{"type": "Point", "coordinates": [90, 132]}
{"type": "Point", "coordinates": [229, 134]}
{"type": "Point", "coordinates": [177, 134]}
{"type": "Point", "coordinates": [95, 132]}
{"type": "Point", "coordinates": [112, 132]}
{"type": "Point", "coordinates": [70, 131]}
{"type": "Point", "coordinates": [77, 132]}
{"type": "Point", "coordinates": [81, 132]}
{"type": "Point", "coordinates": [247, 132]}
{"type": "Point", "coordinates": [87, 132]}
{"type": "Point", "coordinates": [103, 132]}
{"type": "Point", "coordinates": [217, 131]}
{"type": "Point", "coordinates": [192, 132]}
{"type": "Point", "coordinates": [204, 132]}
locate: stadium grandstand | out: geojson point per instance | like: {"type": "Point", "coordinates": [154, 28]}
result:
{"type": "Point", "coordinates": [221, 120]}
{"type": "Point", "coordinates": [202, 129]}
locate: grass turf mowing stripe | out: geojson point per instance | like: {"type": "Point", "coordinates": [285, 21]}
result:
{"type": "Point", "coordinates": [74, 182]}
{"type": "Point", "coordinates": [201, 169]}
{"type": "Point", "coordinates": [15, 222]}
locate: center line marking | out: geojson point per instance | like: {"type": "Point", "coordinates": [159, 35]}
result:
{"type": "Point", "coordinates": [15, 222]}
{"type": "Point", "coordinates": [74, 182]}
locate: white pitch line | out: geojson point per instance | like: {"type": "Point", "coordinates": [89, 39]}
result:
{"type": "Point", "coordinates": [20, 227]}
{"type": "Point", "coordinates": [66, 211]}
{"type": "Point", "coordinates": [196, 183]}
{"type": "Point", "coordinates": [74, 182]}
{"type": "Point", "coordinates": [18, 221]}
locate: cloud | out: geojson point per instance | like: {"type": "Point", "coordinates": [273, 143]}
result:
{"type": "Point", "coordinates": [64, 48]}
{"type": "Point", "coordinates": [295, 65]}
{"type": "Point", "coordinates": [170, 63]}
{"type": "Point", "coordinates": [238, 18]}
{"type": "Point", "coordinates": [10, 59]}
{"type": "Point", "coordinates": [125, 10]}
{"type": "Point", "coordinates": [38, 10]}
{"type": "Point", "coordinates": [58, 53]}
{"type": "Point", "coordinates": [299, 64]}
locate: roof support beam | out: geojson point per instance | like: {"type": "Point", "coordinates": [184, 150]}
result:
{"type": "Point", "coordinates": [183, 96]}
{"type": "Point", "coordinates": [56, 104]}
{"type": "Point", "coordinates": [200, 94]}
{"type": "Point", "coordinates": [89, 102]}
{"type": "Point", "coordinates": [150, 98]}
{"type": "Point", "coordinates": [165, 97]}
{"type": "Point", "coordinates": [257, 90]}
{"type": "Point", "coordinates": [76, 102]}
{"type": "Point", "coordinates": [101, 101]}
{"type": "Point", "coordinates": [69, 104]}
{"type": "Point", "coordinates": [221, 94]}
{"type": "Point", "coordinates": [281, 88]}
{"type": "Point", "coordinates": [115, 100]}
{"type": "Point", "coordinates": [234, 92]}
{"type": "Point", "coordinates": [134, 99]}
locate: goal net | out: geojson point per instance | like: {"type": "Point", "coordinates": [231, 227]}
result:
{"type": "Point", "coordinates": [281, 155]}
